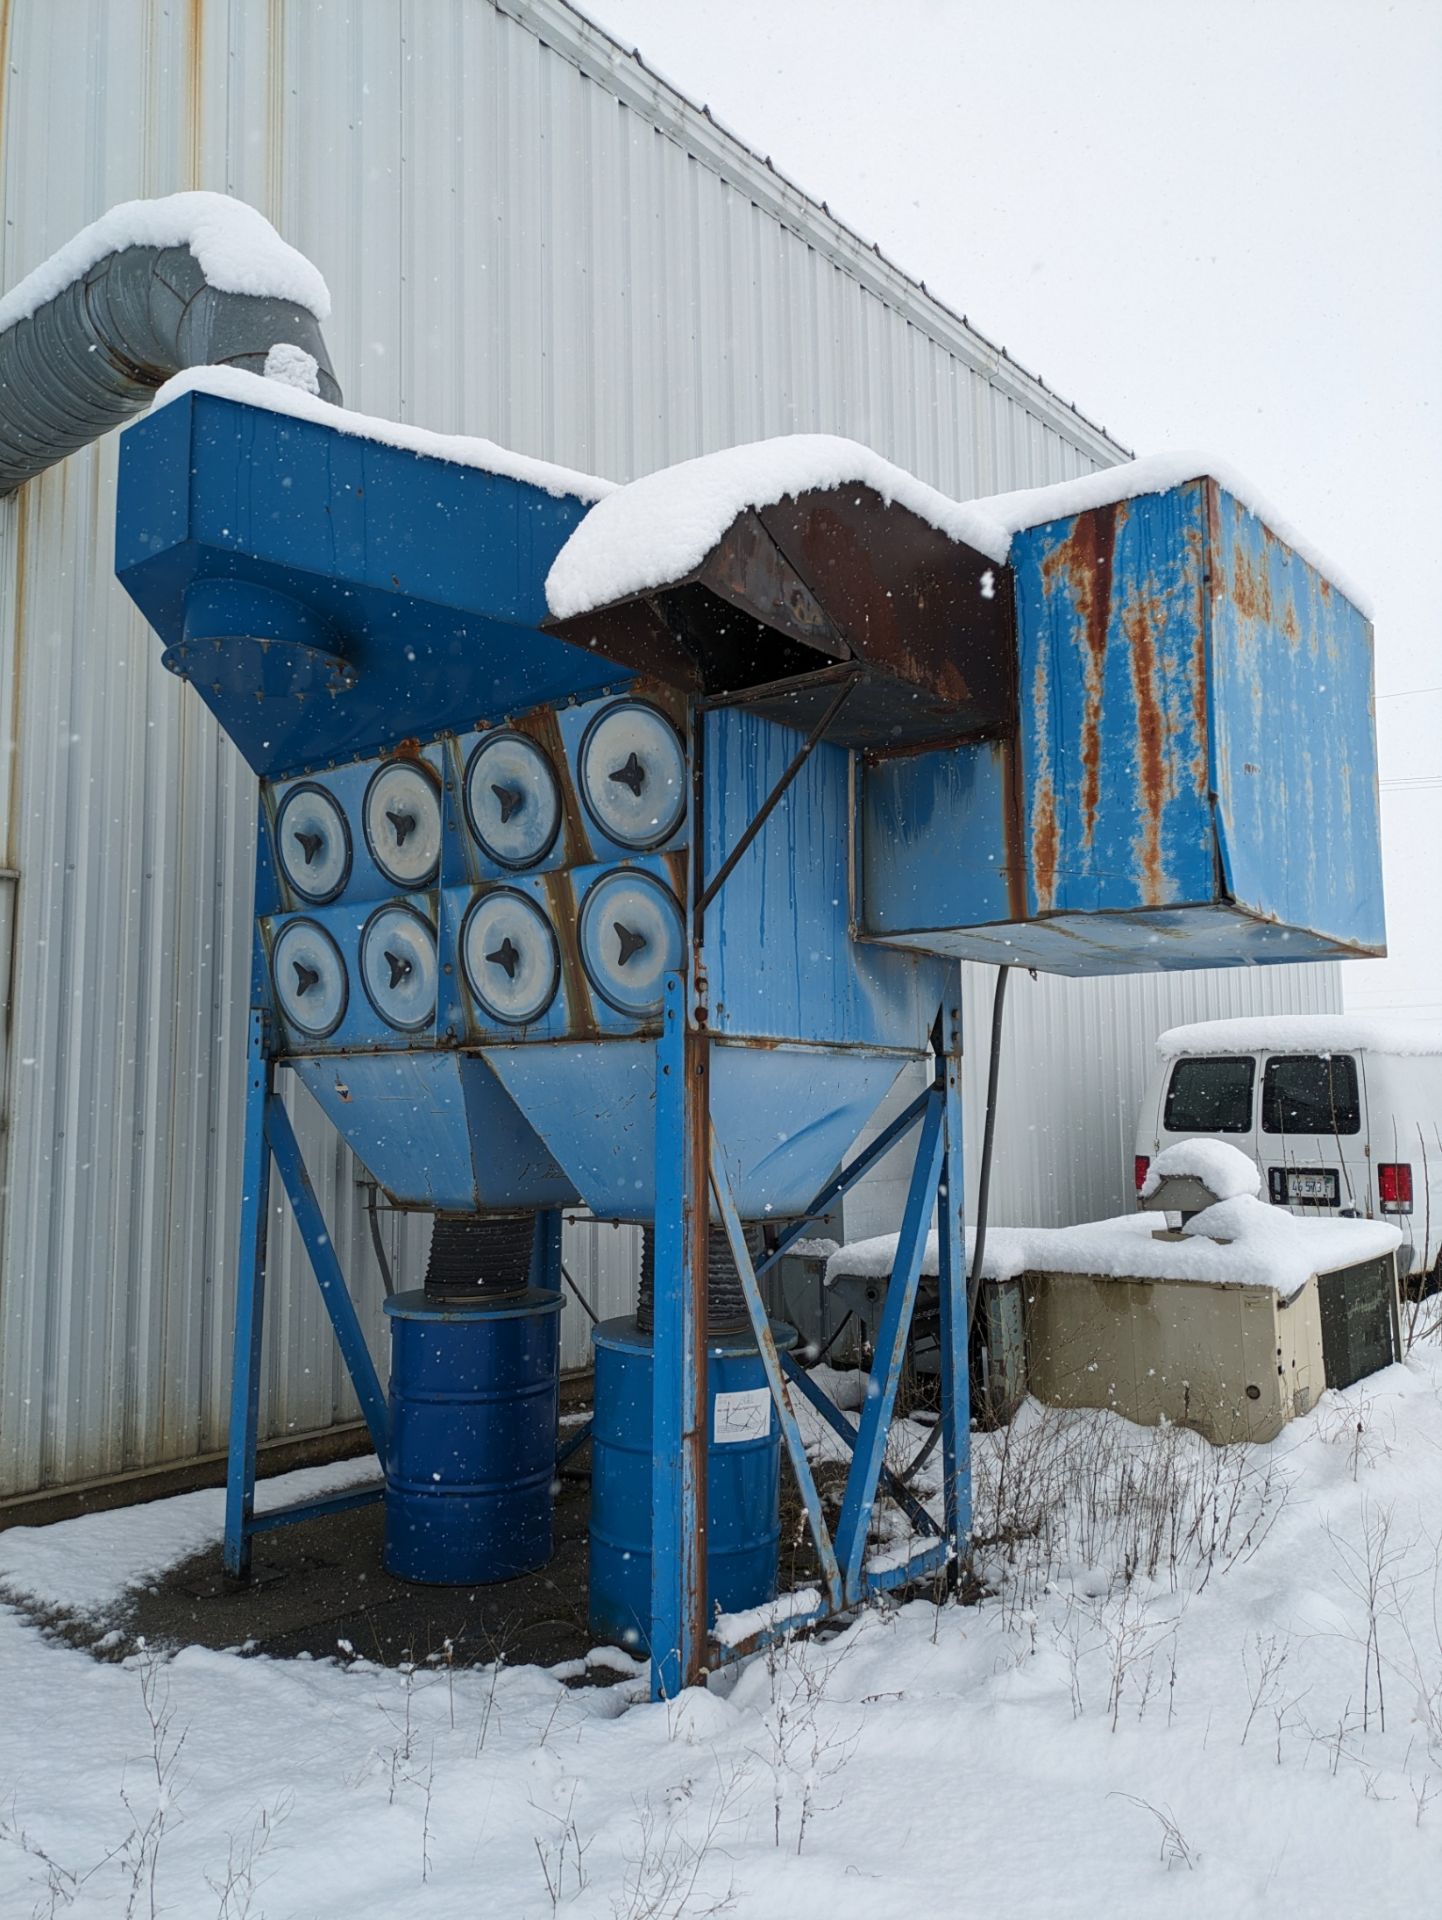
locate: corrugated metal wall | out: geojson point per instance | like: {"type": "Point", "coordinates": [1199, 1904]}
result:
{"type": "Point", "coordinates": [525, 236]}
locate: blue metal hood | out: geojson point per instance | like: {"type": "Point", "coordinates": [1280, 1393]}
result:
{"type": "Point", "coordinates": [329, 595]}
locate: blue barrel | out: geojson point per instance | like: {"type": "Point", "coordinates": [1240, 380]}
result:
{"type": "Point", "coordinates": [471, 1456]}
{"type": "Point", "coordinates": [743, 1480]}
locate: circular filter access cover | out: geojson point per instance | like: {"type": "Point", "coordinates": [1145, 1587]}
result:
{"type": "Point", "coordinates": [402, 817]}
{"type": "Point", "coordinates": [398, 967]}
{"type": "Point", "coordinates": [633, 774]}
{"type": "Point", "coordinates": [313, 842]}
{"type": "Point", "coordinates": [511, 958]}
{"type": "Point", "coordinates": [631, 937]}
{"type": "Point", "coordinates": [310, 978]}
{"type": "Point", "coordinates": [512, 801]}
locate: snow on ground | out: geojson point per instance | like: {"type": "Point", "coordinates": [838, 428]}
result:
{"type": "Point", "coordinates": [1176, 1699]}
{"type": "Point", "coordinates": [238, 249]}
{"type": "Point", "coordinates": [660, 528]}
{"type": "Point", "coordinates": [85, 1566]}
{"type": "Point", "coordinates": [1255, 1245]}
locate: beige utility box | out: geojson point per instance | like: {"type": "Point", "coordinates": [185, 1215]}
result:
{"type": "Point", "coordinates": [1234, 1362]}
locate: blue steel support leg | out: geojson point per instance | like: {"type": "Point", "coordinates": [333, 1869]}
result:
{"type": "Point", "coordinates": [678, 1356]}
{"type": "Point", "coordinates": [249, 1305]}
{"type": "Point", "coordinates": [952, 1287]}
{"type": "Point", "coordinates": [865, 1471]}
{"type": "Point", "coordinates": [771, 1360]}
{"type": "Point", "coordinates": [316, 1235]}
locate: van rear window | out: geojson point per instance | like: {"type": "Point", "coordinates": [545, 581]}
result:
{"type": "Point", "coordinates": [1310, 1093]}
{"type": "Point", "coordinates": [1210, 1096]}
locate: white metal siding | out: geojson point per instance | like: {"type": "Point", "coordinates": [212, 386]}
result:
{"type": "Point", "coordinates": [526, 236]}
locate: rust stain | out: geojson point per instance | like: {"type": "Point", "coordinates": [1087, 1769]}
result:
{"type": "Point", "coordinates": [1140, 622]}
{"type": "Point", "coordinates": [1044, 843]}
{"type": "Point", "coordinates": [195, 85]}
{"type": "Point", "coordinates": [1252, 588]}
{"type": "Point", "coordinates": [1290, 629]}
{"type": "Point", "coordinates": [5, 10]}
{"type": "Point", "coordinates": [1200, 774]}
{"type": "Point", "coordinates": [581, 1023]}
{"type": "Point", "coordinates": [1083, 562]}
{"type": "Point", "coordinates": [544, 727]}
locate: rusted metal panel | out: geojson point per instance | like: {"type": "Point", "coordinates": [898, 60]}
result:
{"type": "Point", "coordinates": [1112, 647]}
{"type": "Point", "coordinates": [1293, 754]}
{"type": "Point", "coordinates": [832, 575]}
{"type": "Point", "coordinates": [1195, 765]}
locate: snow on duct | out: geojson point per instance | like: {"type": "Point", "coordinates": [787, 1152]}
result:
{"type": "Point", "coordinates": [1120, 724]}
{"type": "Point", "coordinates": [151, 288]}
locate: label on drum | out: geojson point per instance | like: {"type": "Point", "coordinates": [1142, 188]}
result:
{"type": "Point", "coordinates": [742, 1416]}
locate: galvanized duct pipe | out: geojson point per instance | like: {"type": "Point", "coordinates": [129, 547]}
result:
{"type": "Point", "coordinates": [93, 355]}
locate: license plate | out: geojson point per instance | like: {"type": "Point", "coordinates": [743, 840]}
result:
{"type": "Point", "coordinates": [1318, 1189]}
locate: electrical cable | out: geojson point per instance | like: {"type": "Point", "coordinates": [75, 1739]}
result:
{"type": "Point", "coordinates": [983, 1198]}
{"type": "Point", "coordinates": [586, 1307]}
{"type": "Point", "coordinates": [387, 1280]}
{"type": "Point", "coordinates": [836, 1333]}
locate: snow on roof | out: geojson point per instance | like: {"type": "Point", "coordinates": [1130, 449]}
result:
{"type": "Point", "coordinates": [279, 396]}
{"type": "Point", "coordinates": [1265, 1247]}
{"type": "Point", "coordinates": [238, 249]}
{"type": "Point", "coordinates": [1224, 1170]}
{"type": "Point", "coordinates": [660, 528]}
{"type": "Point", "coordinates": [1302, 1033]}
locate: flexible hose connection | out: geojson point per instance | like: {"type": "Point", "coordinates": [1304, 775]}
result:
{"type": "Point", "coordinates": [92, 356]}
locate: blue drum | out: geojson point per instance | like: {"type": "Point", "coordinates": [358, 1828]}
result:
{"type": "Point", "coordinates": [472, 1452]}
{"type": "Point", "coordinates": [743, 1480]}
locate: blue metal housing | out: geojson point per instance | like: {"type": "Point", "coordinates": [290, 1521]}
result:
{"type": "Point", "coordinates": [1193, 781]}
{"type": "Point", "coordinates": [414, 572]}
{"type": "Point", "coordinates": [471, 1452]}
{"type": "Point", "coordinates": [743, 1469]}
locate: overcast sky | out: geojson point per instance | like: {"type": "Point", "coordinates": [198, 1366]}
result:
{"type": "Point", "coordinates": [1211, 225]}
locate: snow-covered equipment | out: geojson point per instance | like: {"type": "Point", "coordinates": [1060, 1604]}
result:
{"type": "Point", "coordinates": [1116, 724]}
{"type": "Point", "coordinates": [1340, 1112]}
{"type": "Point", "coordinates": [616, 847]}
{"type": "Point", "coordinates": [151, 288]}
{"type": "Point", "coordinates": [1232, 1325]}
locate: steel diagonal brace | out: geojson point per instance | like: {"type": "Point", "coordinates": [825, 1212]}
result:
{"type": "Point", "coordinates": [866, 1463]}
{"type": "Point", "coordinates": [771, 1360]}
{"type": "Point", "coordinates": [846, 1179]}
{"type": "Point", "coordinates": [280, 1137]}
{"type": "Point", "coordinates": [846, 1433]}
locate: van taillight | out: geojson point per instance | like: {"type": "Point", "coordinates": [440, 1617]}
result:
{"type": "Point", "coordinates": [1394, 1186]}
{"type": "Point", "coordinates": [1143, 1161]}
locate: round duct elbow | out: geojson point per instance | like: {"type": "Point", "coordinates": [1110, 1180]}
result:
{"type": "Point", "coordinates": [93, 355]}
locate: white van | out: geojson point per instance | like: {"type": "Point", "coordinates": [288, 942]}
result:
{"type": "Point", "coordinates": [1342, 1115]}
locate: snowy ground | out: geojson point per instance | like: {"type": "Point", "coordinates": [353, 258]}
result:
{"type": "Point", "coordinates": [1208, 1682]}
